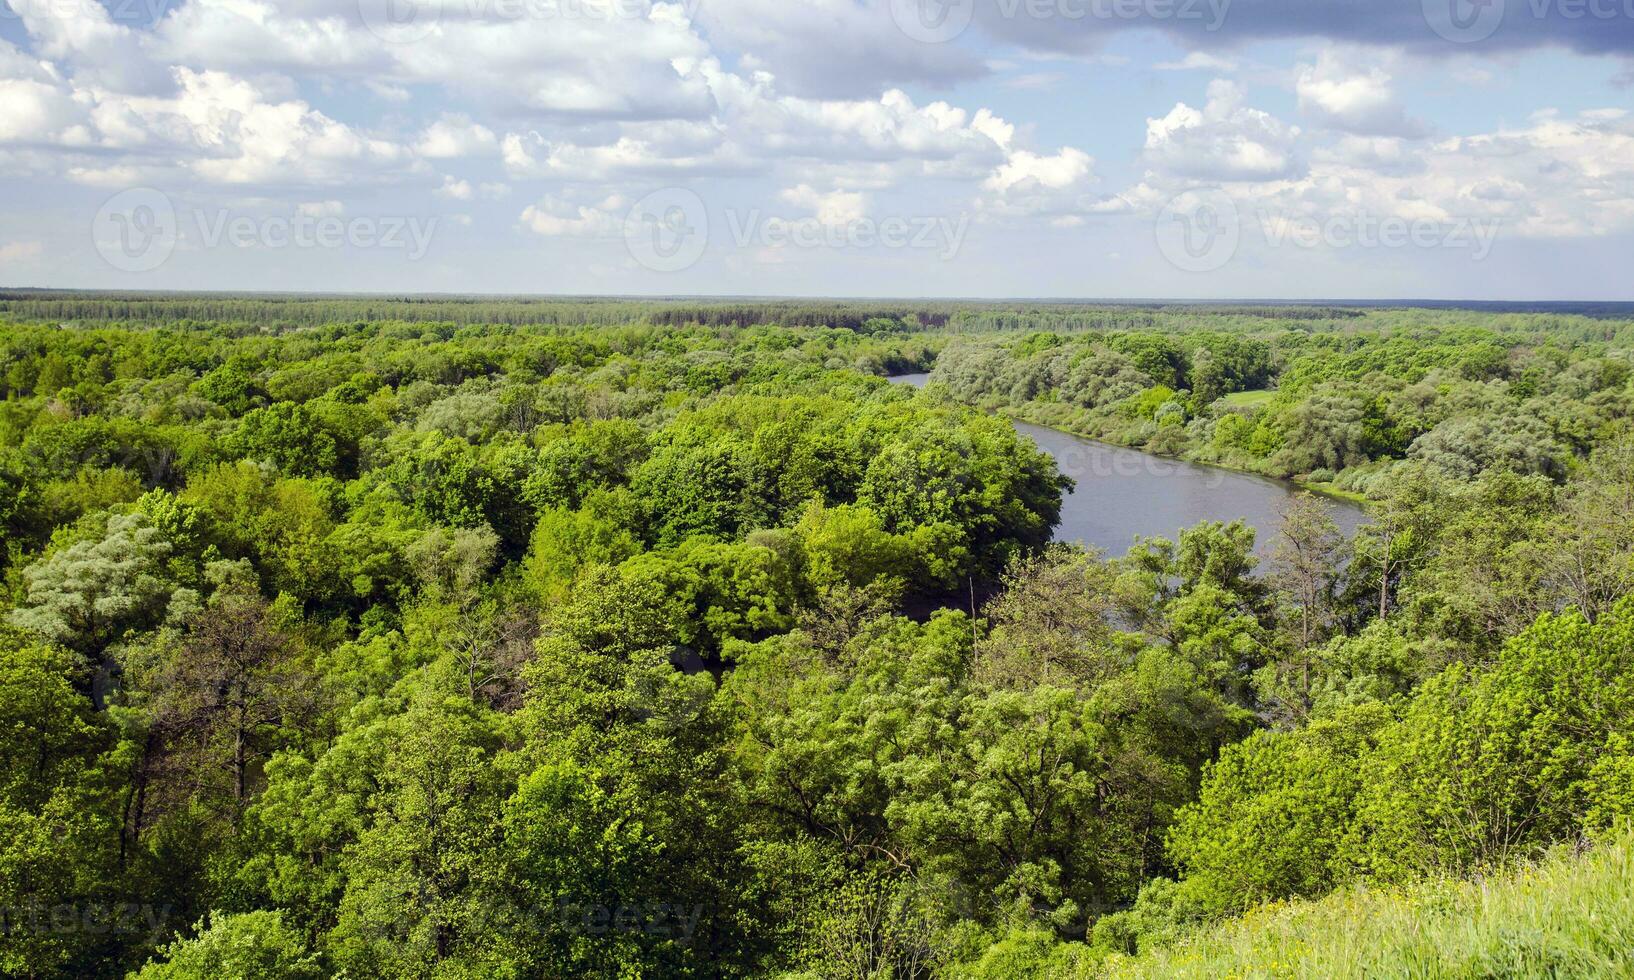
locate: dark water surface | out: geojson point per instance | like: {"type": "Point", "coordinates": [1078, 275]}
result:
{"type": "Point", "coordinates": [1122, 493]}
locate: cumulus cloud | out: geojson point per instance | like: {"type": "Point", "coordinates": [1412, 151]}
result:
{"type": "Point", "coordinates": [555, 217]}
{"type": "Point", "coordinates": [837, 207]}
{"type": "Point", "coordinates": [456, 135]}
{"type": "Point", "coordinates": [1556, 178]}
{"type": "Point", "coordinates": [755, 128]}
{"type": "Point", "coordinates": [209, 124]}
{"type": "Point", "coordinates": [1339, 92]}
{"type": "Point", "coordinates": [456, 189]}
{"type": "Point", "coordinates": [1057, 186]}
{"type": "Point", "coordinates": [796, 105]}
{"type": "Point", "coordinates": [1223, 141]}
{"type": "Point", "coordinates": [585, 59]}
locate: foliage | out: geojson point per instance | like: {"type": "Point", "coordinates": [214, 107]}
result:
{"type": "Point", "coordinates": [466, 637]}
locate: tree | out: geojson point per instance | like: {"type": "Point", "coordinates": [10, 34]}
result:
{"type": "Point", "coordinates": [248, 946]}
{"type": "Point", "coordinates": [235, 692]}
{"type": "Point", "coordinates": [58, 810]}
{"type": "Point", "coordinates": [1273, 812]}
{"type": "Point", "coordinates": [1490, 765]}
{"type": "Point", "coordinates": [1051, 623]}
{"type": "Point", "coordinates": [85, 596]}
{"type": "Point", "coordinates": [452, 564]}
{"type": "Point", "coordinates": [1588, 550]}
{"type": "Point", "coordinates": [1406, 518]}
{"type": "Point", "coordinates": [1305, 569]}
{"type": "Point", "coordinates": [288, 436]}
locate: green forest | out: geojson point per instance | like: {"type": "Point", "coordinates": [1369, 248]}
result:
{"type": "Point", "coordinates": [485, 637]}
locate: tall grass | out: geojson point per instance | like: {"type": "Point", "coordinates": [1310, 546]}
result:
{"type": "Point", "coordinates": [1568, 916]}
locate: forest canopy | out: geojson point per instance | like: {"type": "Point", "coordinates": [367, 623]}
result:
{"type": "Point", "coordinates": [487, 637]}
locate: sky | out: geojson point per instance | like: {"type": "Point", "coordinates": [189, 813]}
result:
{"type": "Point", "coordinates": [1099, 149]}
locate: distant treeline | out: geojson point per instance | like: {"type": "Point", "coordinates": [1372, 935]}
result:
{"type": "Point", "coordinates": [287, 311]}
{"type": "Point", "coordinates": [245, 313]}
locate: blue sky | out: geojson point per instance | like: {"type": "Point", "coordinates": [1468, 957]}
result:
{"type": "Point", "coordinates": [1049, 148]}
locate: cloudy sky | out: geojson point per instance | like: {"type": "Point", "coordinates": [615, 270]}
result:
{"type": "Point", "coordinates": [1044, 148]}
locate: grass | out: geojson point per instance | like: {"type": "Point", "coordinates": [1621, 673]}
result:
{"type": "Point", "coordinates": [1568, 916]}
{"type": "Point", "coordinates": [1248, 399]}
{"type": "Point", "coordinates": [1333, 490]}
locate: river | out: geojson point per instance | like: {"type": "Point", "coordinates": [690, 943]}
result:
{"type": "Point", "coordinates": [1122, 493]}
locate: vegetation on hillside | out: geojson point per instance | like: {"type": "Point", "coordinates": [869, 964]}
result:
{"type": "Point", "coordinates": [501, 644]}
{"type": "Point", "coordinates": [1571, 915]}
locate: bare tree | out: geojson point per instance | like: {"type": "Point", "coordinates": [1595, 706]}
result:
{"type": "Point", "coordinates": [227, 700]}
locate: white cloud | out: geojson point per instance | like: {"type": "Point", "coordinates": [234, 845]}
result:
{"type": "Point", "coordinates": [295, 103]}
{"type": "Point", "coordinates": [585, 59]}
{"type": "Point", "coordinates": [1030, 183]}
{"type": "Point", "coordinates": [554, 217]}
{"type": "Point", "coordinates": [81, 35]}
{"type": "Point", "coordinates": [1026, 169]}
{"type": "Point", "coordinates": [755, 128]}
{"type": "Point", "coordinates": [1198, 61]}
{"type": "Point", "coordinates": [456, 135]}
{"type": "Point", "coordinates": [831, 208]}
{"type": "Point", "coordinates": [459, 190]}
{"type": "Point", "coordinates": [21, 251]}
{"type": "Point", "coordinates": [1340, 93]}
{"type": "Point", "coordinates": [38, 112]}
{"type": "Point", "coordinates": [1224, 141]}
{"type": "Point", "coordinates": [240, 138]}
{"type": "Point", "coordinates": [1556, 178]}
{"type": "Point", "coordinates": [1385, 154]}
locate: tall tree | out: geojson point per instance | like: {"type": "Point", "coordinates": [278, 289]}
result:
{"type": "Point", "coordinates": [232, 694]}
{"type": "Point", "coordinates": [1305, 564]}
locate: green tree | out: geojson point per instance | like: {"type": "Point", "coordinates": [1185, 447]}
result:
{"type": "Point", "coordinates": [247, 946]}
{"type": "Point", "coordinates": [59, 814]}
{"type": "Point", "coordinates": [1490, 765]}
{"type": "Point", "coordinates": [1273, 813]}
{"type": "Point", "coordinates": [87, 595]}
{"type": "Point", "coordinates": [289, 437]}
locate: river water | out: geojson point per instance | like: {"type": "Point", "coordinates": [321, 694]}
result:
{"type": "Point", "coordinates": [1122, 493]}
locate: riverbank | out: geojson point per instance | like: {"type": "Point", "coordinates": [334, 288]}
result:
{"type": "Point", "coordinates": [1122, 493]}
{"type": "Point", "coordinates": [1320, 488]}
